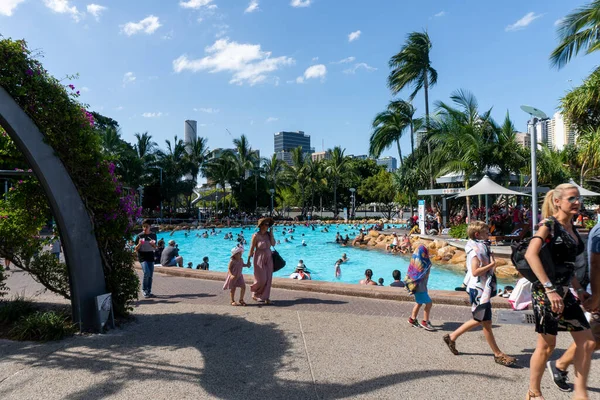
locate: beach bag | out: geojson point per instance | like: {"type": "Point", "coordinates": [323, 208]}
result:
{"type": "Point", "coordinates": [520, 298]}
{"type": "Point", "coordinates": [278, 261]}
{"type": "Point", "coordinates": [518, 258]}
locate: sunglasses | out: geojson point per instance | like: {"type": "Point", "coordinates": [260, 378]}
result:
{"type": "Point", "coordinates": [574, 199]}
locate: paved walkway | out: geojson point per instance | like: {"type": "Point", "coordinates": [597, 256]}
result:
{"type": "Point", "coordinates": [189, 343]}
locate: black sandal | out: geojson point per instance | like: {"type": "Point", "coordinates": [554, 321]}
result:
{"type": "Point", "coordinates": [451, 344]}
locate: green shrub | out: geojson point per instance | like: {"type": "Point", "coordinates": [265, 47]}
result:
{"type": "Point", "coordinates": [459, 231]}
{"type": "Point", "coordinates": [11, 311]}
{"type": "Point", "coordinates": [43, 326]}
{"type": "Point", "coordinates": [590, 223]}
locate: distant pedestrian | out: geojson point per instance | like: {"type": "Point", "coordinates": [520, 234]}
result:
{"type": "Point", "coordinates": [397, 281]}
{"type": "Point", "coordinates": [145, 243]}
{"type": "Point", "coordinates": [6, 264]}
{"type": "Point", "coordinates": [416, 283]}
{"type": "Point", "coordinates": [203, 265]}
{"type": "Point", "coordinates": [481, 288]}
{"type": "Point", "coordinates": [338, 268]}
{"type": "Point", "coordinates": [368, 278]}
{"type": "Point", "coordinates": [170, 256]}
{"type": "Point", "coordinates": [235, 277]}
{"type": "Point", "coordinates": [260, 248]}
{"type": "Point", "coordinates": [55, 246]}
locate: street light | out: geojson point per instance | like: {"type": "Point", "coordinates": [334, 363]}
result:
{"type": "Point", "coordinates": [534, 112]}
{"type": "Point", "coordinates": [140, 190]}
{"type": "Point", "coordinates": [272, 194]}
{"type": "Point", "coordinates": [352, 190]}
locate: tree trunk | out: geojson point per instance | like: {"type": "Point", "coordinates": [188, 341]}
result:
{"type": "Point", "coordinates": [581, 174]}
{"type": "Point", "coordinates": [426, 91]}
{"type": "Point", "coordinates": [335, 209]}
{"type": "Point", "coordinates": [399, 152]}
{"type": "Point", "coordinates": [412, 137]}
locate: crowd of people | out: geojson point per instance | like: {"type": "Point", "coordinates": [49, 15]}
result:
{"type": "Point", "coordinates": [559, 299]}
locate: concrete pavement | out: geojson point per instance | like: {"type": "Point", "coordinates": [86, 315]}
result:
{"type": "Point", "coordinates": [189, 343]}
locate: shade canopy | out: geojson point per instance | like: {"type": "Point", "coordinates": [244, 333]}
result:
{"type": "Point", "coordinates": [583, 191]}
{"type": "Point", "coordinates": [487, 186]}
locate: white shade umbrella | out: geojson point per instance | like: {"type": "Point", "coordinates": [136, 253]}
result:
{"type": "Point", "coordinates": [583, 191]}
{"type": "Point", "coordinates": [487, 186]}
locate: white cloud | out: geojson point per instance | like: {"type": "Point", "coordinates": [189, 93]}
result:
{"type": "Point", "coordinates": [359, 66]}
{"type": "Point", "coordinates": [313, 72]}
{"type": "Point", "coordinates": [354, 36]}
{"type": "Point", "coordinates": [152, 114]}
{"type": "Point", "coordinates": [169, 35]}
{"type": "Point", "coordinates": [253, 6]}
{"type": "Point", "coordinates": [346, 60]}
{"type": "Point", "coordinates": [440, 14]}
{"type": "Point", "coordinates": [8, 6]}
{"type": "Point", "coordinates": [96, 10]}
{"type": "Point", "coordinates": [63, 7]}
{"type": "Point", "coordinates": [120, 108]}
{"type": "Point", "coordinates": [221, 30]}
{"type": "Point", "coordinates": [129, 77]}
{"type": "Point", "coordinates": [558, 21]}
{"type": "Point", "coordinates": [271, 119]}
{"type": "Point", "coordinates": [208, 110]}
{"type": "Point", "coordinates": [300, 3]}
{"type": "Point", "coordinates": [197, 4]}
{"type": "Point", "coordinates": [247, 62]}
{"type": "Point", "coordinates": [148, 25]}
{"type": "Point", "coordinates": [315, 59]}
{"type": "Point", "coordinates": [523, 22]}
{"type": "Point", "coordinates": [84, 89]}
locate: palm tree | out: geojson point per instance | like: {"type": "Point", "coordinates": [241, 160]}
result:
{"type": "Point", "coordinates": [336, 167]}
{"type": "Point", "coordinates": [221, 170]}
{"type": "Point", "coordinates": [314, 176]}
{"type": "Point", "coordinates": [246, 158]}
{"type": "Point", "coordinates": [589, 152]}
{"type": "Point", "coordinates": [145, 147]}
{"type": "Point", "coordinates": [508, 154]}
{"type": "Point", "coordinates": [273, 168]}
{"type": "Point", "coordinates": [174, 163]}
{"type": "Point", "coordinates": [411, 67]}
{"type": "Point", "coordinates": [388, 128]}
{"type": "Point", "coordinates": [578, 31]}
{"type": "Point", "coordinates": [112, 143]}
{"type": "Point", "coordinates": [407, 111]}
{"type": "Point", "coordinates": [197, 151]}
{"type": "Point", "coordinates": [296, 173]}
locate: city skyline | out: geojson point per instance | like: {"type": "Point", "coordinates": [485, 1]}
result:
{"type": "Point", "coordinates": [290, 68]}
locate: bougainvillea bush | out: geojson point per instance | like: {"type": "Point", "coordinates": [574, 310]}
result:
{"type": "Point", "coordinates": [69, 128]}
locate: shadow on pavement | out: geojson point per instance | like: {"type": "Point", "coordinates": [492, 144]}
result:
{"type": "Point", "coordinates": [241, 360]}
{"type": "Point", "coordinates": [304, 300]}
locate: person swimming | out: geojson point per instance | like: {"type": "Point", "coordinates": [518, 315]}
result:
{"type": "Point", "coordinates": [338, 268]}
{"type": "Point", "coordinates": [304, 243]}
{"type": "Point", "coordinates": [345, 258]}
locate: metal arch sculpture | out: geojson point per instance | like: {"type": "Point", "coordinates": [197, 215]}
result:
{"type": "Point", "coordinates": [86, 275]}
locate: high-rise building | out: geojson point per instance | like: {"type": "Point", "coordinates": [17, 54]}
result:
{"type": "Point", "coordinates": [321, 155]}
{"type": "Point", "coordinates": [541, 129]}
{"type": "Point", "coordinates": [285, 142]}
{"type": "Point", "coordinates": [524, 139]}
{"type": "Point", "coordinates": [190, 131]}
{"type": "Point", "coordinates": [562, 133]}
{"type": "Point", "coordinates": [390, 163]}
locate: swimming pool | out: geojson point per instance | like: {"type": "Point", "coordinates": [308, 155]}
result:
{"type": "Point", "coordinates": [319, 255]}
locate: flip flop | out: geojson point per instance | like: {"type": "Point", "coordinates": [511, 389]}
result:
{"type": "Point", "coordinates": [242, 303]}
{"type": "Point", "coordinates": [233, 303]}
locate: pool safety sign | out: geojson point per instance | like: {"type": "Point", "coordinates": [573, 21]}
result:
{"type": "Point", "coordinates": [422, 216]}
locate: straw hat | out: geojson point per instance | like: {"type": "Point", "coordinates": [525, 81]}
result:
{"type": "Point", "coordinates": [268, 220]}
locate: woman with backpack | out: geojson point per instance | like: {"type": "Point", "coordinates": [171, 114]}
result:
{"type": "Point", "coordinates": [555, 307]}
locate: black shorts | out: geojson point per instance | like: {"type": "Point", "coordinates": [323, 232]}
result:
{"type": "Point", "coordinates": [482, 312]}
{"type": "Point", "coordinates": [572, 318]}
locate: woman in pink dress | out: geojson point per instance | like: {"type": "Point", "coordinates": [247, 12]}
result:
{"type": "Point", "coordinates": [235, 278]}
{"type": "Point", "coordinates": [263, 260]}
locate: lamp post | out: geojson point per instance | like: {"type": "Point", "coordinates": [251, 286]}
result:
{"type": "Point", "coordinates": [272, 194]}
{"type": "Point", "coordinates": [352, 190]}
{"type": "Point", "coordinates": [217, 206]}
{"type": "Point", "coordinates": [534, 112]}
{"type": "Point", "coordinates": [140, 190]}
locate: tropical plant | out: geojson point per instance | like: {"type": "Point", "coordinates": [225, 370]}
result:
{"type": "Point", "coordinates": [380, 189]}
{"type": "Point", "coordinates": [245, 158]}
{"type": "Point", "coordinates": [336, 168]}
{"type": "Point", "coordinates": [578, 31]}
{"type": "Point", "coordinates": [296, 174]}
{"type": "Point", "coordinates": [589, 152]}
{"type": "Point", "coordinates": [221, 170]}
{"type": "Point", "coordinates": [508, 155]}
{"type": "Point", "coordinates": [388, 128]}
{"type": "Point", "coordinates": [581, 106]}
{"type": "Point", "coordinates": [411, 67]}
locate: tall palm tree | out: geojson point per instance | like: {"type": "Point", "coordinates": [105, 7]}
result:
{"type": "Point", "coordinates": [508, 154]}
{"type": "Point", "coordinates": [145, 147]}
{"type": "Point", "coordinates": [578, 31]}
{"type": "Point", "coordinates": [246, 158]}
{"type": "Point", "coordinates": [336, 167]}
{"type": "Point", "coordinates": [197, 150]}
{"type": "Point", "coordinates": [407, 111]}
{"type": "Point", "coordinates": [296, 173]}
{"type": "Point", "coordinates": [221, 170]}
{"type": "Point", "coordinates": [314, 176]}
{"type": "Point", "coordinates": [411, 67]}
{"type": "Point", "coordinates": [388, 128]}
{"type": "Point", "coordinates": [273, 168]}
{"type": "Point", "coordinates": [174, 164]}
{"type": "Point", "coordinates": [589, 152]}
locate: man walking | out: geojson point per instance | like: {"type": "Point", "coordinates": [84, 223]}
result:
{"type": "Point", "coordinates": [145, 243]}
{"type": "Point", "coordinates": [558, 368]}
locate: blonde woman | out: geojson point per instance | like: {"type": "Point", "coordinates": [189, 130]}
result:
{"type": "Point", "coordinates": [555, 307]}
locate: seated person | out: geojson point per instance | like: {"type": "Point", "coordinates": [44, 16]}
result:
{"type": "Point", "coordinates": [346, 240]}
{"type": "Point", "coordinates": [368, 280]}
{"type": "Point", "coordinates": [300, 273]}
{"type": "Point", "coordinates": [170, 256]}
{"type": "Point", "coordinates": [397, 282]}
{"type": "Point", "coordinates": [360, 239]}
{"type": "Point", "coordinates": [380, 281]}
{"type": "Point", "coordinates": [204, 265]}
{"type": "Point", "coordinates": [160, 246]}
{"type": "Point", "coordinates": [394, 245]}
{"type": "Point", "coordinates": [405, 245]}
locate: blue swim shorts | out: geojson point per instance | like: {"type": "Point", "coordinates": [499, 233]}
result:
{"type": "Point", "coordinates": [422, 298]}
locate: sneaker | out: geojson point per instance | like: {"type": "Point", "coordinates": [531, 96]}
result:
{"type": "Point", "coordinates": [427, 326]}
{"type": "Point", "coordinates": [559, 377]}
{"type": "Point", "coordinates": [413, 323]}
{"type": "Point", "coordinates": [150, 295]}
{"type": "Point", "coordinates": [145, 294]}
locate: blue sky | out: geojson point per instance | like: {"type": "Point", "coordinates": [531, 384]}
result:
{"type": "Point", "coordinates": [258, 67]}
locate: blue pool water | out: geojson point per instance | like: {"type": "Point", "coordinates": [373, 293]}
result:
{"type": "Point", "coordinates": [319, 255]}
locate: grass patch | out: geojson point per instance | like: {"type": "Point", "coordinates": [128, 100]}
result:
{"type": "Point", "coordinates": [43, 326]}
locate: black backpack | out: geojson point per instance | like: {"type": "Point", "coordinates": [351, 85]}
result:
{"type": "Point", "coordinates": [518, 258]}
